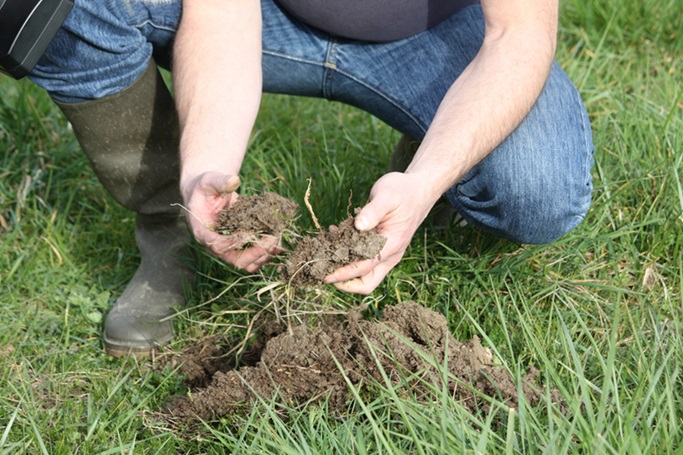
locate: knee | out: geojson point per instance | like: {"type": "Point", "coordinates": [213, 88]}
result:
{"type": "Point", "coordinates": [94, 54]}
{"type": "Point", "coordinates": [546, 210]}
{"type": "Point", "coordinates": [525, 207]}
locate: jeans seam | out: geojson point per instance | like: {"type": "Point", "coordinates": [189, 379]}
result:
{"type": "Point", "coordinates": [289, 57]}
{"type": "Point", "coordinates": [330, 67]}
{"type": "Point", "coordinates": [154, 25]}
{"type": "Point", "coordinates": [587, 142]}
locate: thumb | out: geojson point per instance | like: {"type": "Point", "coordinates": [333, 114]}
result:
{"type": "Point", "coordinates": [217, 183]}
{"type": "Point", "coordinates": [369, 216]}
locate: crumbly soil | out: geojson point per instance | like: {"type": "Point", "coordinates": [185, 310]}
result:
{"type": "Point", "coordinates": [259, 215]}
{"type": "Point", "coordinates": [316, 257]}
{"type": "Point", "coordinates": [309, 364]}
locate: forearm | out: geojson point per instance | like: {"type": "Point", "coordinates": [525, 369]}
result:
{"type": "Point", "coordinates": [487, 102]}
{"type": "Point", "coordinates": [217, 82]}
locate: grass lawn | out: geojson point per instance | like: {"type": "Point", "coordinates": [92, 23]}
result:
{"type": "Point", "coordinates": [598, 312]}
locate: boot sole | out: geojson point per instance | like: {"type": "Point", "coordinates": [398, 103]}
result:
{"type": "Point", "coordinates": [121, 350]}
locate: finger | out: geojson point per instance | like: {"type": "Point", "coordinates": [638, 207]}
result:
{"type": "Point", "coordinates": [224, 243]}
{"type": "Point", "coordinates": [351, 271]}
{"type": "Point", "coordinates": [216, 183]}
{"type": "Point", "coordinates": [253, 267]}
{"type": "Point", "coordinates": [258, 253]}
{"type": "Point", "coordinates": [370, 216]}
{"type": "Point", "coordinates": [257, 262]}
{"type": "Point", "coordinates": [247, 257]}
{"type": "Point", "coordinates": [231, 185]}
{"type": "Point", "coordinates": [204, 236]}
{"type": "Point", "coordinates": [270, 244]}
{"type": "Point", "coordinates": [230, 249]}
{"type": "Point", "coordinates": [366, 284]}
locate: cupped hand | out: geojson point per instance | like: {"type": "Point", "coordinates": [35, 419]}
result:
{"type": "Point", "coordinates": [398, 205]}
{"type": "Point", "coordinates": [206, 195]}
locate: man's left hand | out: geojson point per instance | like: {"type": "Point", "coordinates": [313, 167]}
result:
{"type": "Point", "coordinates": [396, 209]}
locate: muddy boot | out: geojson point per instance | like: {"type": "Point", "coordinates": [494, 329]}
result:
{"type": "Point", "coordinates": [442, 214]}
{"type": "Point", "coordinates": [131, 139]}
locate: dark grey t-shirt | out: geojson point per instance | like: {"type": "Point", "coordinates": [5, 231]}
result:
{"type": "Point", "coordinates": [373, 20]}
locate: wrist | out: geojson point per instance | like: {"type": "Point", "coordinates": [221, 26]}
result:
{"type": "Point", "coordinates": [434, 183]}
{"type": "Point", "coordinates": [200, 160]}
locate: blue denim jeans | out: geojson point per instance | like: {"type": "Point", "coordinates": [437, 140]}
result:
{"type": "Point", "coordinates": [532, 188]}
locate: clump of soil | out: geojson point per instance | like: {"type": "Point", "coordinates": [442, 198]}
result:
{"type": "Point", "coordinates": [305, 365]}
{"type": "Point", "coordinates": [259, 215]}
{"type": "Point", "coordinates": [316, 257]}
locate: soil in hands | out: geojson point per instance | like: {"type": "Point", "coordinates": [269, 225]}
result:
{"type": "Point", "coordinates": [266, 214]}
{"type": "Point", "coordinates": [316, 257]}
{"type": "Point", "coordinates": [308, 364]}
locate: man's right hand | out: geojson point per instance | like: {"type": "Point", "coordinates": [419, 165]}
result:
{"type": "Point", "coordinates": [206, 195]}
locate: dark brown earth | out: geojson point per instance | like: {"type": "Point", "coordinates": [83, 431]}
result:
{"type": "Point", "coordinates": [257, 216]}
{"type": "Point", "coordinates": [306, 365]}
{"type": "Point", "coordinates": [316, 257]}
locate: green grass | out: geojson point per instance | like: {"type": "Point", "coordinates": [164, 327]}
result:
{"type": "Point", "coordinates": [598, 312]}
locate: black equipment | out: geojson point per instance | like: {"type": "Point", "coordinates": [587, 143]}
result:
{"type": "Point", "coordinates": [26, 29]}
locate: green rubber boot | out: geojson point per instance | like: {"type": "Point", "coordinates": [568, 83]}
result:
{"type": "Point", "coordinates": [404, 152]}
{"type": "Point", "coordinates": [131, 139]}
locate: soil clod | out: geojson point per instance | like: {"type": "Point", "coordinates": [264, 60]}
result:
{"type": "Point", "coordinates": [259, 215]}
{"type": "Point", "coordinates": [316, 257]}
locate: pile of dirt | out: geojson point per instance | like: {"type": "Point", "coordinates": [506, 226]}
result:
{"type": "Point", "coordinates": [306, 365]}
{"type": "Point", "coordinates": [258, 216]}
{"type": "Point", "coordinates": [316, 257]}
